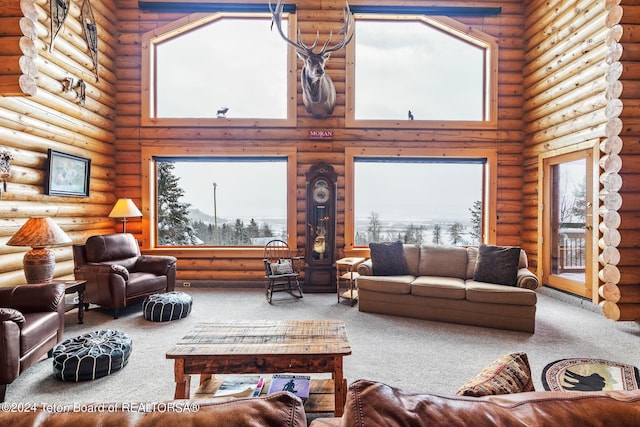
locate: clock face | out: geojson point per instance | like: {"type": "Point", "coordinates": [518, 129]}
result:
{"type": "Point", "coordinates": [321, 192]}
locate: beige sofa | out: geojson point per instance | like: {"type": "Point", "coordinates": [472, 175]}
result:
{"type": "Point", "coordinates": [439, 286]}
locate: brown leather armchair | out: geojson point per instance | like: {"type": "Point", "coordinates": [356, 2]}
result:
{"type": "Point", "coordinates": [31, 324]}
{"type": "Point", "coordinates": [117, 274]}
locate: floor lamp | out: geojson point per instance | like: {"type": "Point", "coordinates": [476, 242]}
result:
{"type": "Point", "coordinates": [124, 209]}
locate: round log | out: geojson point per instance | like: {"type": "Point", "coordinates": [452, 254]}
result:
{"type": "Point", "coordinates": [613, 109]}
{"type": "Point", "coordinates": [614, 53]}
{"type": "Point", "coordinates": [614, 89]}
{"type": "Point", "coordinates": [614, 15]}
{"type": "Point", "coordinates": [614, 34]}
{"type": "Point", "coordinates": [614, 71]}
{"type": "Point", "coordinates": [611, 237]}
{"type": "Point", "coordinates": [611, 200]}
{"type": "Point", "coordinates": [609, 292]}
{"type": "Point", "coordinates": [611, 163]}
{"type": "Point", "coordinates": [612, 145]}
{"type": "Point", "coordinates": [613, 127]}
{"type": "Point", "coordinates": [611, 219]}
{"type": "Point", "coordinates": [28, 10]}
{"type": "Point", "coordinates": [609, 274]}
{"type": "Point", "coordinates": [611, 181]}
{"type": "Point", "coordinates": [609, 256]}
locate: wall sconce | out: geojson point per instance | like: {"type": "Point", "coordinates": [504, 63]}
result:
{"type": "Point", "coordinates": [39, 232]}
{"type": "Point", "coordinates": [124, 208]}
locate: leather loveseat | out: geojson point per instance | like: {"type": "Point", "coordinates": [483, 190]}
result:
{"type": "Point", "coordinates": [276, 410]}
{"type": "Point", "coordinates": [439, 284]}
{"type": "Point", "coordinates": [117, 274]}
{"type": "Point", "coordinates": [371, 403]}
{"type": "Point", "coordinates": [31, 324]}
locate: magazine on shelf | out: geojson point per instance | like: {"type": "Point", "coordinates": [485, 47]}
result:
{"type": "Point", "coordinates": [296, 384]}
{"type": "Point", "coordinates": [240, 386]}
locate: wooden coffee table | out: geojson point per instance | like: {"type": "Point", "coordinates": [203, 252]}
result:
{"type": "Point", "coordinates": [262, 347]}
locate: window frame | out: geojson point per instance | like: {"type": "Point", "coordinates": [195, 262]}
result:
{"type": "Point", "coordinates": [489, 187]}
{"type": "Point", "coordinates": [149, 198]}
{"type": "Point", "coordinates": [189, 23]}
{"type": "Point", "coordinates": [456, 29]}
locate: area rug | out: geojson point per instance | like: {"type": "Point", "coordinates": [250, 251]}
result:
{"type": "Point", "coordinates": [589, 375]}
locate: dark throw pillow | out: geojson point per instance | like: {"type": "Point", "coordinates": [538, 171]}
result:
{"type": "Point", "coordinates": [497, 264]}
{"type": "Point", "coordinates": [387, 259]}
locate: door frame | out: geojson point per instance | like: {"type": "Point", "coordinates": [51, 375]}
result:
{"type": "Point", "coordinates": [591, 152]}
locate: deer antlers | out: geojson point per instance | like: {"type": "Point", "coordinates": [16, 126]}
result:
{"type": "Point", "coordinates": [346, 31]}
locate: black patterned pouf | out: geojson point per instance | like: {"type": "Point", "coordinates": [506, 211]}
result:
{"type": "Point", "coordinates": [167, 307]}
{"type": "Point", "coordinates": [90, 356]}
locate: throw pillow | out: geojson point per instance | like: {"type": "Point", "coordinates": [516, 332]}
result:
{"type": "Point", "coordinates": [387, 259]}
{"type": "Point", "coordinates": [497, 264]}
{"type": "Point", "coordinates": [507, 374]}
{"type": "Point", "coordinates": [283, 266]}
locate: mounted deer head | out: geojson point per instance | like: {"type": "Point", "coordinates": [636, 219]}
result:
{"type": "Point", "coordinates": [318, 91]}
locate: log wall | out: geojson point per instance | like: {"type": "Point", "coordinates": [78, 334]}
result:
{"type": "Point", "coordinates": [37, 113]}
{"type": "Point", "coordinates": [580, 84]}
{"type": "Point", "coordinates": [324, 15]}
{"type": "Point", "coordinates": [621, 292]}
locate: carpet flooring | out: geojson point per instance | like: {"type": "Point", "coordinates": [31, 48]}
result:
{"type": "Point", "coordinates": [416, 355]}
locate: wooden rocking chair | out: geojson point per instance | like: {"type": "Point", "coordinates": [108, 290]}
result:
{"type": "Point", "coordinates": [281, 270]}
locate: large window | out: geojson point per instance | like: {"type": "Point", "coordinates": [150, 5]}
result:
{"type": "Point", "coordinates": [222, 69]}
{"type": "Point", "coordinates": [420, 197]}
{"type": "Point", "coordinates": [210, 201]}
{"type": "Point", "coordinates": [417, 71]}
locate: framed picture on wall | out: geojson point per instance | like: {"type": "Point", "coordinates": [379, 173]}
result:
{"type": "Point", "coordinates": [67, 175]}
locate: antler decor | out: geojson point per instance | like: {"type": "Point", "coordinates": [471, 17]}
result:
{"type": "Point", "coordinates": [318, 90]}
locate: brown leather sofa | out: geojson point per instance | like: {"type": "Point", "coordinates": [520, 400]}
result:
{"type": "Point", "coordinates": [117, 274]}
{"type": "Point", "coordinates": [31, 324]}
{"type": "Point", "coordinates": [371, 403]}
{"type": "Point", "coordinates": [276, 410]}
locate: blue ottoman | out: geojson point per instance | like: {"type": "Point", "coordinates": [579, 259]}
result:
{"type": "Point", "coordinates": [90, 356]}
{"type": "Point", "coordinates": [166, 307]}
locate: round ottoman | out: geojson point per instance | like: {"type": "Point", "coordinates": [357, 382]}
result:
{"type": "Point", "coordinates": [90, 356]}
{"type": "Point", "coordinates": [167, 307]}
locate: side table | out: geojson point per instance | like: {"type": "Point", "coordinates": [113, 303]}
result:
{"type": "Point", "coordinates": [71, 287]}
{"type": "Point", "coordinates": [346, 276]}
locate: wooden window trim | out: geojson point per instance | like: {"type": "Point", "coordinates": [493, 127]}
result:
{"type": "Point", "coordinates": [149, 197]}
{"type": "Point", "coordinates": [456, 29]}
{"type": "Point", "coordinates": [489, 220]}
{"type": "Point", "coordinates": [189, 23]}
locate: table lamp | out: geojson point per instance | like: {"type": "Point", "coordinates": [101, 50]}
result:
{"type": "Point", "coordinates": [124, 208]}
{"type": "Point", "coordinates": [39, 233]}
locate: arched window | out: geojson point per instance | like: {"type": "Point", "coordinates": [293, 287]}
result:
{"type": "Point", "coordinates": [417, 71]}
{"type": "Point", "coordinates": [221, 69]}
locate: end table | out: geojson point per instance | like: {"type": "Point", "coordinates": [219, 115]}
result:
{"type": "Point", "coordinates": [71, 287]}
{"type": "Point", "coordinates": [346, 276]}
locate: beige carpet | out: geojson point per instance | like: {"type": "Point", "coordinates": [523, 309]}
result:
{"type": "Point", "coordinates": [413, 354]}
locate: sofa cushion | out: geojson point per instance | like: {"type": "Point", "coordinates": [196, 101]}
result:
{"type": "Point", "coordinates": [388, 259]}
{"type": "Point", "coordinates": [386, 284]}
{"type": "Point", "coordinates": [507, 374]}
{"type": "Point", "coordinates": [499, 294]}
{"type": "Point", "coordinates": [444, 261]}
{"type": "Point", "coordinates": [497, 264]}
{"type": "Point", "coordinates": [438, 287]}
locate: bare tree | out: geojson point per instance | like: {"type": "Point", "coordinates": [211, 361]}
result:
{"type": "Point", "coordinates": [374, 227]}
{"type": "Point", "coordinates": [437, 234]}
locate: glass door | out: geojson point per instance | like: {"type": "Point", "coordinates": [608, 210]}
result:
{"type": "Point", "coordinates": [568, 216]}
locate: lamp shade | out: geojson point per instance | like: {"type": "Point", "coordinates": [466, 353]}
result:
{"type": "Point", "coordinates": [39, 263]}
{"type": "Point", "coordinates": [39, 232]}
{"type": "Point", "coordinates": [124, 208]}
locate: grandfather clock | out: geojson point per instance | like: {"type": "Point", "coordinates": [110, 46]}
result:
{"type": "Point", "coordinates": [320, 249]}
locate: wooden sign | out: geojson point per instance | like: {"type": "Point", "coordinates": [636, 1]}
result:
{"type": "Point", "coordinates": [320, 134]}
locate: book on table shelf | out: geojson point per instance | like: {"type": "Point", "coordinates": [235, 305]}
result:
{"type": "Point", "coordinates": [296, 384]}
{"type": "Point", "coordinates": [240, 386]}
